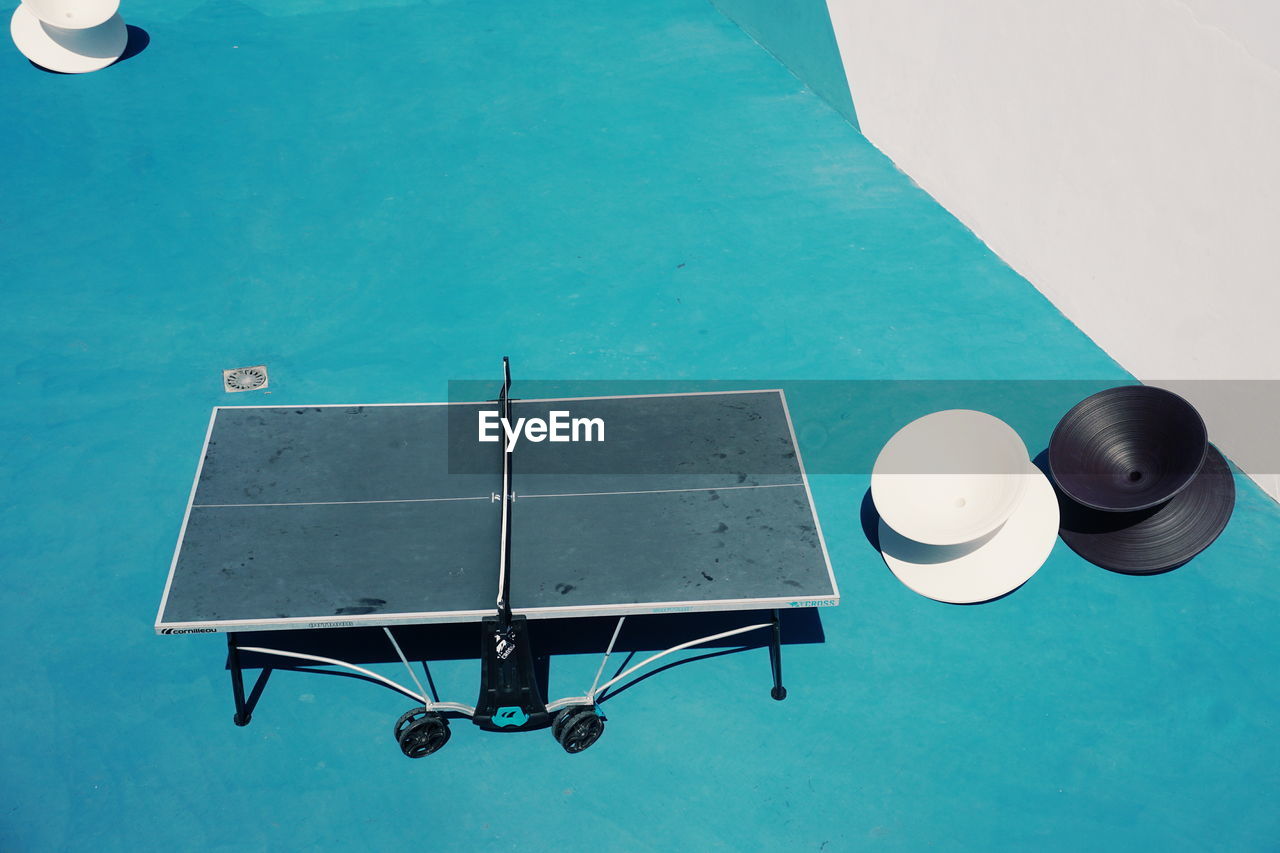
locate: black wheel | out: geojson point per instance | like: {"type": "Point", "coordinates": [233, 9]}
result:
{"type": "Point", "coordinates": [778, 693]}
{"type": "Point", "coordinates": [579, 730]}
{"type": "Point", "coordinates": [562, 716]}
{"type": "Point", "coordinates": [421, 732]}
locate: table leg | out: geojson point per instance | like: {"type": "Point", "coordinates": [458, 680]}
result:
{"type": "Point", "coordinates": [243, 715]}
{"type": "Point", "coordinates": [775, 659]}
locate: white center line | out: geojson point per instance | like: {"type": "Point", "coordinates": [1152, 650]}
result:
{"type": "Point", "coordinates": [343, 503]}
{"type": "Point", "coordinates": [665, 491]}
{"type": "Point", "coordinates": [490, 498]}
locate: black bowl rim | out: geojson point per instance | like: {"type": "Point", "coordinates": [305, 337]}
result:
{"type": "Point", "coordinates": [1129, 390]}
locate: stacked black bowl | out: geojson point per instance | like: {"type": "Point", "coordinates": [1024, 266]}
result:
{"type": "Point", "coordinates": [1141, 489]}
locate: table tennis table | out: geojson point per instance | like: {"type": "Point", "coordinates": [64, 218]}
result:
{"type": "Point", "coordinates": [384, 515]}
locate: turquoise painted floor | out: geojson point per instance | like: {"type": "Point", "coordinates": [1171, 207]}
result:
{"type": "Point", "coordinates": [375, 198]}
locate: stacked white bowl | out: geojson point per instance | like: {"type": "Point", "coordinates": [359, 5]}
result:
{"type": "Point", "coordinates": [70, 36]}
{"type": "Point", "coordinates": [964, 514]}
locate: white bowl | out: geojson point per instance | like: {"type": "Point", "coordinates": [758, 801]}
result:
{"type": "Point", "coordinates": [71, 51]}
{"type": "Point", "coordinates": [73, 14]}
{"type": "Point", "coordinates": [949, 477]}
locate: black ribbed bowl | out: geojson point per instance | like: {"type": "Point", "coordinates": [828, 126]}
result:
{"type": "Point", "coordinates": [1159, 538]}
{"type": "Point", "coordinates": [1127, 448]}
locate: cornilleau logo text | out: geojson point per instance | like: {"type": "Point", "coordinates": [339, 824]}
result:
{"type": "Point", "coordinates": [187, 631]}
{"type": "Point", "coordinates": [560, 426]}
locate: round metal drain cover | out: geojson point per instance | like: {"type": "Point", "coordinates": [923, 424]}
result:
{"type": "Point", "coordinates": [245, 378]}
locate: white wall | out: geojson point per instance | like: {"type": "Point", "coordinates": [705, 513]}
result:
{"type": "Point", "coordinates": [1123, 155]}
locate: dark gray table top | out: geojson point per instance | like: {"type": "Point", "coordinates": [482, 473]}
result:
{"type": "Point", "coordinates": [390, 514]}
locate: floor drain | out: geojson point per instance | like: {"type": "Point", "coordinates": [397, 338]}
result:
{"type": "Point", "coordinates": [245, 378]}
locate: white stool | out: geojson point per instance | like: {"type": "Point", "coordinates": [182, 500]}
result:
{"type": "Point", "coordinates": [964, 515]}
{"type": "Point", "coordinates": [70, 36]}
